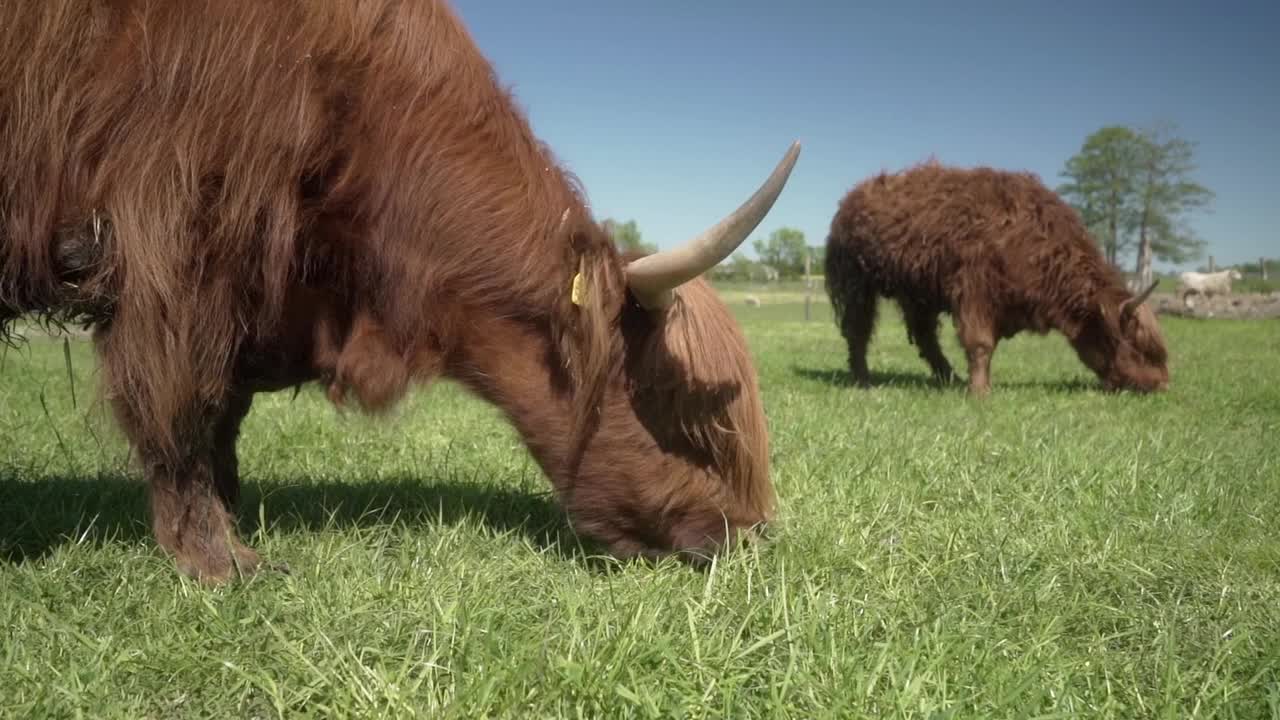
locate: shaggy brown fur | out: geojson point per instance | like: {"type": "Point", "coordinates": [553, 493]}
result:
{"type": "Point", "coordinates": [245, 195]}
{"type": "Point", "coordinates": [998, 251]}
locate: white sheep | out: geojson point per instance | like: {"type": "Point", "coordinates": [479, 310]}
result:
{"type": "Point", "coordinates": [1207, 284]}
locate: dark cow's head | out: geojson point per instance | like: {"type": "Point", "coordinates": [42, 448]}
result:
{"type": "Point", "coordinates": [665, 447]}
{"type": "Point", "coordinates": [1123, 344]}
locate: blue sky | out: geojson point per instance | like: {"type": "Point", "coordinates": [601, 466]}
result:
{"type": "Point", "coordinates": [672, 112]}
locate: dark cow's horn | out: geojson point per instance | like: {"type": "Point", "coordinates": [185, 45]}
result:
{"type": "Point", "coordinates": [653, 278]}
{"type": "Point", "coordinates": [1128, 306]}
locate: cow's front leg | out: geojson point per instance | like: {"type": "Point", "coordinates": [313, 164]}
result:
{"type": "Point", "coordinates": [192, 523]}
{"type": "Point", "coordinates": [190, 473]}
{"type": "Point", "coordinates": [978, 338]}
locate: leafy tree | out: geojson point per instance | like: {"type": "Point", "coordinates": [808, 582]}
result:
{"type": "Point", "coordinates": [1100, 184]}
{"type": "Point", "coordinates": [737, 267]}
{"type": "Point", "coordinates": [1165, 193]}
{"type": "Point", "coordinates": [784, 250]}
{"type": "Point", "coordinates": [1133, 190]}
{"type": "Point", "coordinates": [741, 266]}
{"type": "Point", "coordinates": [627, 236]}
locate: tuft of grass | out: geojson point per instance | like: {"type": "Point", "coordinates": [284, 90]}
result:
{"type": "Point", "coordinates": [1053, 551]}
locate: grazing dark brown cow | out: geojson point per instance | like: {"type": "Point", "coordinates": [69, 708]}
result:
{"type": "Point", "coordinates": [998, 251]}
{"type": "Point", "coordinates": [243, 195]}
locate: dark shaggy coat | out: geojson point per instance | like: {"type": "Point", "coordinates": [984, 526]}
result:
{"type": "Point", "coordinates": [998, 251]}
{"type": "Point", "coordinates": [242, 195]}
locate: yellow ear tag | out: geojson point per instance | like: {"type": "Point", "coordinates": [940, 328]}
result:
{"type": "Point", "coordinates": [576, 294]}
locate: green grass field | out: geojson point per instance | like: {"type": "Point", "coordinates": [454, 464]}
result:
{"type": "Point", "coordinates": [1054, 551]}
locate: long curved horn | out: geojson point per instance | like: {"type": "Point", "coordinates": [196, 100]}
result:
{"type": "Point", "coordinates": [1129, 306]}
{"type": "Point", "coordinates": [653, 278]}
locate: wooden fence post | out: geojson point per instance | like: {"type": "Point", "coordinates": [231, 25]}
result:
{"type": "Point", "coordinates": [808, 281]}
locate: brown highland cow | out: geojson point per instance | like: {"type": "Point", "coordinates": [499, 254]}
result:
{"type": "Point", "coordinates": [998, 251]}
{"type": "Point", "coordinates": [241, 196]}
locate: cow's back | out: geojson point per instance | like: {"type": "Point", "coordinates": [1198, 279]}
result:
{"type": "Point", "coordinates": [199, 134]}
{"type": "Point", "coordinates": [937, 228]}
